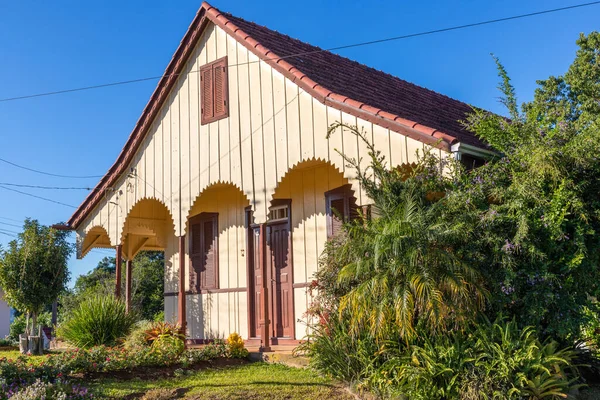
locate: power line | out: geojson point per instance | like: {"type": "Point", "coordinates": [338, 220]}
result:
{"type": "Point", "coordinates": [37, 197]}
{"type": "Point", "coordinates": [48, 173]}
{"type": "Point", "coordinates": [15, 225]}
{"type": "Point", "coordinates": [8, 234]}
{"type": "Point", "coordinates": [390, 39]}
{"type": "Point", "coordinates": [44, 187]}
{"type": "Point", "coordinates": [9, 231]}
{"type": "Point", "coordinates": [10, 219]}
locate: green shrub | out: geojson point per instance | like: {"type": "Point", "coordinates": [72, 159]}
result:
{"type": "Point", "coordinates": [236, 347]}
{"type": "Point", "coordinates": [99, 320]}
{"type": "Point", "coordinates": [493, 361]}
{"type": "Point", "coordinates": [334, 351]}
{"type": "Point", "coordinates": [137, 337]}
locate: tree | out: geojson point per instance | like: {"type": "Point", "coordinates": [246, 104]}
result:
{"type": "Point", "coordinates": [33, 269]}
{"type": "Point", "coordinates": [399, 269]}
{"type": "Point", "coordinates": [534, 211]}
{"type": "Point", "coordinates": [147, 284]}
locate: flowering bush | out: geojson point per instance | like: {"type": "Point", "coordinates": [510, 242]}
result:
{"type": "Point", "coordinates": [50, 391]}
{"type": "Point", "coordinates": [235, 346]}
{"type": "Point", "coordinates": [15, 375]}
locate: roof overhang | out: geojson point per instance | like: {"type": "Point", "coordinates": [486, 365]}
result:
{"type": "Point", "coordinates": [463, 148]}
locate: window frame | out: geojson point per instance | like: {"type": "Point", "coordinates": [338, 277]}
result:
{"type": "Point", "coordinates": [346, 194]}
{"type": "Point", "coordinates": [204, 117]}
{"type": "Point", "coordinates": [201, 219]}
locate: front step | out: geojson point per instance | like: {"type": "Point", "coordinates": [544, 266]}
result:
{"type": "Point", "coordinates": [283, 356]}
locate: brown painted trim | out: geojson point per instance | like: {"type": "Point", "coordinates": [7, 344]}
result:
{"type": "Point", "coordinates": [200, 219]}
{"type": "Point", "coordinates": [128, 285]}
{"type": "Point", "coordinates": [285, 341]}
{"type": "Point", "coordinates": [207, 291]}
{"type": "Point", "coordinates": [181, 300]}
{"type": "Point", "coordinates": [118, 263]}
{"type": "Point", "coordinates": [301, 285]}
{"type": "Point", "coordinates": [207, 12]}
{"type": "Point", "coordinates": [264, 331]}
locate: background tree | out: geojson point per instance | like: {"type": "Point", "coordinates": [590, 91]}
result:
{"type": "Point", "coordinates": [147, 285]}
{"type": "Point", "coordinates": [33, 269]}
{"type": "Point", "coordinates": [534, 212]}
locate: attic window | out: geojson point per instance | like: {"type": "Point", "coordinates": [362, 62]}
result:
{"type": "Point", "coordinates": [214, 104]}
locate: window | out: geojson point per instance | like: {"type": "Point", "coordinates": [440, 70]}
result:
{"type": "Point", "coordinates": [340, 207]}
{"type": "Point", "coordinates": [214, 104]}
{"type": "Point", "coordinates": [204, 252]}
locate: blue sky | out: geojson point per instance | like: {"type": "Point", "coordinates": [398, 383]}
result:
{"type": "Point", "coordinates": [49, 46]}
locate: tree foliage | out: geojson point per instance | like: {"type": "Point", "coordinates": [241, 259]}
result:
{"type": "Point", "coordinates": [147, 284]}
{"type": "Point", "coordinates": [535, 210]}
{"type": "Point", "coordinates": [33, 269]}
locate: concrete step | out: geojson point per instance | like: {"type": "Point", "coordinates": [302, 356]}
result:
{"type": "Point", "coordinates": [285, 357]}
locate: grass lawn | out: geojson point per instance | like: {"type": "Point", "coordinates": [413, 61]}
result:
{"type": "Point", "coordinates": [14, 354]}
{"type": "Point", "coordinates": [250, 381]}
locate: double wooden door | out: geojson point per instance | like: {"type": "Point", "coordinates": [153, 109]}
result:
{"type": "Point", "coordinates": [279, 270]}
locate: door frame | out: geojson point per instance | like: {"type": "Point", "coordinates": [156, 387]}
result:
{"type": "Point", "coordinates": [252, 308]}
{"type": "Point", "coordinates": [276, 203]}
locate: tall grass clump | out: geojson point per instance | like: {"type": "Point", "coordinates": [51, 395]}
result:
{"type": "Point", "coordinates": [99, 320]}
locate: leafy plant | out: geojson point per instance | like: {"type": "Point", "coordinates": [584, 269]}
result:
{"type": "Point", "coordinates": [160, 328]}
{"type": "Point", "coordinates": [138, 337]}
{"type": "Point", "coordinates": [52, 391]}
{"type": "Point", "coordinates": [100, 320]}
{"type": "Point", "coordinates": [236, 347]}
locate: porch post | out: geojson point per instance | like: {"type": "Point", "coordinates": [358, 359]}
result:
{"type": "Point", "coordinates": [181, 311]}
{"type": "Point", "coordinates": [118, 262]}
{"type": "Point", "coordinates": [265, 333]}
{"type": "Point", "coordinates": [128, 285]}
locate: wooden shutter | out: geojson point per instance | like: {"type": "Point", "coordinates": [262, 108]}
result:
{"type": "Point", "coordinates": [204, 252]}
{"type": "Point", "coordinates": [220, 89]}
{"type": "Point", "coordinates": [207, 108]}
{"type": "Point", "coordinates": [340, 207]}
{"type": "Point", "coordinates": [215, 94]}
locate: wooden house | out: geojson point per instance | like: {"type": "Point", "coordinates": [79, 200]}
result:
{"type": "Point", "coordinates": [229, 171]}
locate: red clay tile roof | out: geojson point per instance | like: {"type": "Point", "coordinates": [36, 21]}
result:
{"type": "Point", "coordinates": [365, 84]}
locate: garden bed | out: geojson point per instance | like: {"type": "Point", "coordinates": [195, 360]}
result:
{"type": "Point", "coordinates": [159, 372]}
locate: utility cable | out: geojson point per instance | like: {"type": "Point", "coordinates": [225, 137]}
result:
{"type": "Point", "coordinates": [37, 197]}
{"type": "Point", "coordinates": [48, 173]}
{"type": "Point", "coordinates": [44, 187]}
{"type": "Point", "coordinates": [348, 46]}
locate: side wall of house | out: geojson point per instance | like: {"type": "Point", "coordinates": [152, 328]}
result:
{"type": "Point", "coordinates": [4, 317]}
{"type": "Point", "coordinates": [273, 126]}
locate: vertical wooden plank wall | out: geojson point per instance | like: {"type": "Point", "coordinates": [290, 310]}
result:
{"type": "Point", "coordinates": [273, 129]}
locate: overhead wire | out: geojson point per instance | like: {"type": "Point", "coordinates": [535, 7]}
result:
{"type": "Point", "coordinates": [371, 42]}
{"type": "Point", "coordinates": [48, 173]}
{"type": "Point", "coordinates": [45, 187]}
{"type": "Point", "coordinates": [37, 197]}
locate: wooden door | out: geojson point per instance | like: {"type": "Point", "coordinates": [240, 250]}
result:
{"type": "Point", "coordinates": [255, 281]}
{"type": "Point", "coordinates": [280, 267]}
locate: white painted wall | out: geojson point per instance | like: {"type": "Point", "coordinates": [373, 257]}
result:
{"type": "Point", "coordinates": [4, 317]}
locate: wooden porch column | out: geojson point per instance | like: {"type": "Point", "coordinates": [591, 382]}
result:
{"type": "Point", "coordinates": [181, 311]}
{"type": "Point", "coordinates": [265, 334]}
{"type": "Point", "coordinates": [118, 262]}
{"type": "Point", "coordinates": [128, 285]}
